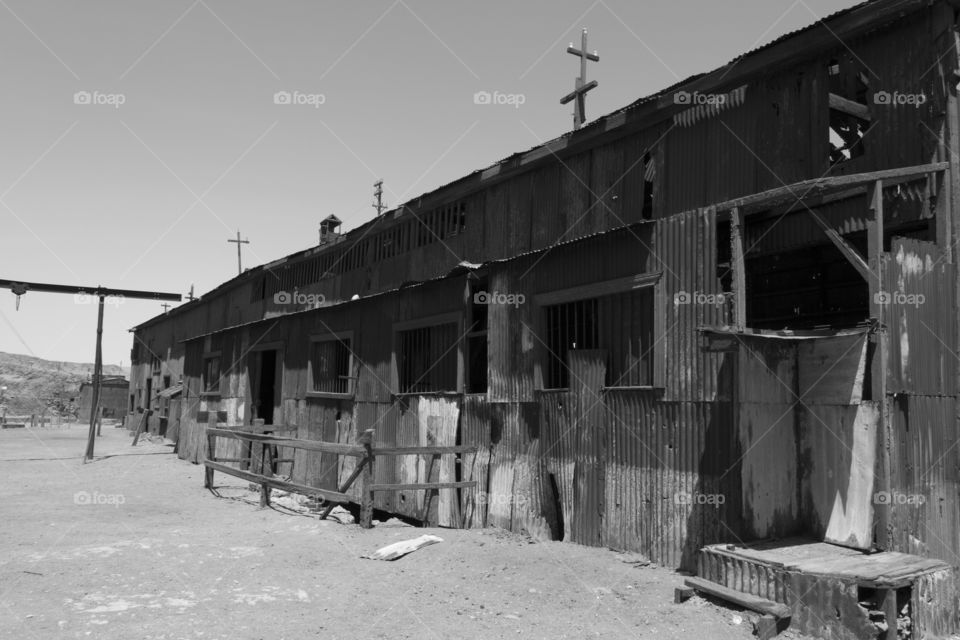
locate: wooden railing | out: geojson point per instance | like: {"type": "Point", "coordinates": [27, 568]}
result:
{"type": "Point", "coordinates": [259, 468]}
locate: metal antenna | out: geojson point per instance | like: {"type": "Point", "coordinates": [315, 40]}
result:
{"type": "Point", "coordinates": [378, 194]}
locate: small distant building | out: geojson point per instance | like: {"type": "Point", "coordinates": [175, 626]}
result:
{"type": "Point", "coordinates": [113, 397]}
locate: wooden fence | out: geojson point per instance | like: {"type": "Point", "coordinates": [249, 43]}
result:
{"type": "Point", "coordinates": [259, 460]}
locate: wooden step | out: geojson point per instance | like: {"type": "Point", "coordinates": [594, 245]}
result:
{"type": "Point", "coordinates": [745, 600]}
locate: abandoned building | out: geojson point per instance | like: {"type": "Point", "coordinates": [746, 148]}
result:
{"type": "Point", "coordinates": [717, 327]}
{"type": "Point", "coordinates": [113, 397]}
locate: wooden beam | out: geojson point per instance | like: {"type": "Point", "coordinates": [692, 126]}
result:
{"type": "Point", "coordinates": [293, 443]}
{"type": "Point", "coordinates": [810, 203]}
{"type": "Point", "coordinates": [346, 485]}
{"type": "Point", "coordinates": [426, 451]}
{"type": "Point", "coordinates": [92, 291]}
{"type": "Point", "coordinates": [289, 487]}
{"type": "Point", "coordinates": [745, 600]}
{"type": "Point", "coordinates": [738, 266]}
{"type": "Point", "coordinates": [424, 485]}
{"type": "Point", "coordinates": [850, 107]}
{"type": "Point", "coordinates": [848, 251]}
{"type": "Point", "coordinates": [808, 189]}
{"type": "Point", "coordinates": [598, 289]}
{"type": "Point", "coordinates": [366, 484]}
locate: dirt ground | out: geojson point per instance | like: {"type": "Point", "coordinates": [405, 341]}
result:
{"type": "Point", "coordinates": [132, 546]}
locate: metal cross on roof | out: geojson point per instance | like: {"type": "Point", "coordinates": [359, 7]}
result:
{"type": "Point", "coordinates": [581, 86]}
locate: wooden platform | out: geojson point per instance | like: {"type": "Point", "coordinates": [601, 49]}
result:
{"type": "Point", "coordinates": [884, 569]}
{"type": "Point", "coordinates": [838, 593]}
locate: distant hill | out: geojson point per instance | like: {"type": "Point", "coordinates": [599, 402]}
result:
{"type": "Point", "coordinates": [34, 385]}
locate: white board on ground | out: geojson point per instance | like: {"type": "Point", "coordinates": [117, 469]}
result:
{"type": "Point", "coordinates": [402, 548]}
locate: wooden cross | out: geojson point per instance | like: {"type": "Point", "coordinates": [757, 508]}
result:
{"type": "Point", "coordinates": [166, 307]}
{"type": "Point", "coordinates": [581, 86]}
{"type": "Point", "coordinates": [239, 242]}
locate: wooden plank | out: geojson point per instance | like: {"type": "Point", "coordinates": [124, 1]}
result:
{"type": "Point", "coordinates": [426, 451]}
{"type": "Point", "coordinates": [212, 453]}
{"type": "Point", "coordinates": [345, 486]}
{"type": "Point", "coordinates": [425, 514]}
{"type": "Point", "coordinates": [402, 548]}
{"type": "Point", "coordinates": [366, 484]}
{"type": "Point", "coordinates": [140, 426]}
{"type": "Point", "coordinates": [293, 443]}
{"type": "Point", "coordinates": [745, 600]}
{"type": "Point", "coordinates": [290, 487]}
{"type": "Point", "coordinates": [598, 289]}
{"type": "Point", "coordinates": [739, 267]}
{"type": "Point", "coordinates": [889, 607]}
{"type": "Point", "coordinates": [808, 189]}
{"type": "Point", "coordinates": [423, 485]}
{"type": "Point", "coordinates": [851, 254]}
{"type": "Point", "coordinates": [766, 628]}
{"type": "Point", "coordinates": [850, 107]}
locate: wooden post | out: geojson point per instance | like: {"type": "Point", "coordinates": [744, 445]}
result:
{"type": "Point", "coordinates": [141, 426]}
{"type": "Point", "coordinates": [879, 303]}
{"type": "Point", "coordinates": [266, 469]}
{"type": "Point", "coordinates": [97, 370]}
{"type": "Point", "coordinates": [366, 481]}
{"type": "Point", "coordinates": [428, 493]}
{"type": "Point", "coordinates": [739, 267]}
{"type": "Point", "coordinates": [889, 605]}
{"type": "Point", "coordinates": [212, 456]}
{"type": "Point", "coordinates": [100, 420]}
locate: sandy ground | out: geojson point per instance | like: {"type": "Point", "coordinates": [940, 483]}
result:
{"type": "Point", "coordinates": [132, 546]}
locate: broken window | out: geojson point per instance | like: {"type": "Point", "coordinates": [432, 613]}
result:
{"type": "Point", "coordinates": [806, 288]}
{"type": "Point", "coordinates": [573, 325]}
{"type": "Point", "coordinates": [477, 338]}
{"type": "Point", "coordinates": [331, 364]}
{"type": "Point", "coordinates": [850, 115]}
{"type": "Point", "coordinates": [211, 374]}
{"type": "Point", "coordinates": [427, 359]}
{"type": "Point", "coordinates": [649, 176]}
{"type": "Point", "coordinates": [443, 222]}
{"type": "Point", "coordinates": [621, 324]}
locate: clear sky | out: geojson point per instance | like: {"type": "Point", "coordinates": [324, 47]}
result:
{"type": "Point", "coordinates": [182, 142]}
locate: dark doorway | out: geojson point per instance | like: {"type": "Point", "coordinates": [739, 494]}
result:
{"type": "Point", "coordinates": [264, 385]}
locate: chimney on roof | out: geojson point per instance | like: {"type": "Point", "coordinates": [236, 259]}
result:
{"type": "Point", "coordinates": [329, 229]}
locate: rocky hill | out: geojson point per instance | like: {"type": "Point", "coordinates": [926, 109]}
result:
{"type": "Point", "coordinates": [35, 385]}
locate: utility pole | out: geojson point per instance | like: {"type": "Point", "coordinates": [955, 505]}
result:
{"type": "Point", "coordinates": [378, 194]}
{"type": "Point", "coordinates": [20, 288]}
{"type": "Point", "coordinates": [581, 86]}
{"type": "Point", "coordinates": [239, 242]}
{"type": "Point", "coordinates": [166, 307]}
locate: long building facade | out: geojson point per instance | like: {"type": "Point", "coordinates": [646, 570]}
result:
{"type": "Point", "coordinates": [727, 312]}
